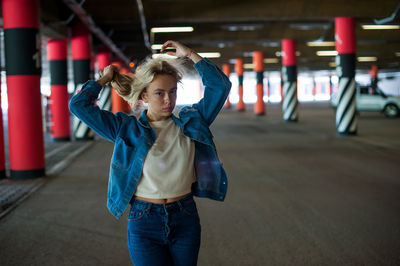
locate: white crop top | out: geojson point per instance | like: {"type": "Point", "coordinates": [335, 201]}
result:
{"type": "Point", "coordinates": [168, 170]}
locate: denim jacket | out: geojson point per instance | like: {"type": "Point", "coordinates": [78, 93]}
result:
{"type": "Point", "coordinates": [134, 137]}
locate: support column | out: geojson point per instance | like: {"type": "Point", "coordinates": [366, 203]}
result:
{"type": "Point", "coordinates": [2, 153]}
{"type": "Point", "coordinates": [23, 69]}
{"type": "Point", "coordinates": [118, 104]}
{"type": "Point", "coordinates": [227, 70]}
{"type": "Point", "coordinates": [269, 88]}
{"type": "Point", "coordinates": [374, 77]}
{"type": "Point", "coordinates": [346, 121]}
{"type": "Point", "coordinates": [60, 118]}
{"type": "Point", "coordinates": [258, 61]}
{"type": "Point", "coordinates": [81, 57]}
{"type": "Point", "coordinates": [239, 69]}
{"type": "Point", "coordinates": [330, 87]}
{"type": "Point", "coordinates": [289, 77]}
{"type": "Point", "coordinates": [103, 60]}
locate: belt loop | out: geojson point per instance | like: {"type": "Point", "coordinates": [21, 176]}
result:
{"type": "Point", "coordinates": [180, 205]}
{"type": "Point", "coordinates": [148, 207]}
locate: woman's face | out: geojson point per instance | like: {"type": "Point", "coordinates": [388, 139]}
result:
{"type": "Point", "coordinates": [160, 95]}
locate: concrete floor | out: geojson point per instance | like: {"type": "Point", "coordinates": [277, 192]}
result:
{"type": "Point", "coordinates": [298, 195]}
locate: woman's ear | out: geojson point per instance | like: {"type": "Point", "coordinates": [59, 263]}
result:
{"type": "Point", "coordinates": [144, 96]}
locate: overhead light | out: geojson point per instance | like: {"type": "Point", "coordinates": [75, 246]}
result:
{"type": "Point", "coordinates": [320, 43]}
{"type": "Point", "coordinates": [156, 46]}
{"type": "Point", "coordinates": [271, 60]}
{"type": "Point", "coordinates": [397, 53]}
{"type": "Point", "coordinates": [242, 27]}
{"type": "Point", "coordinates": [326, 53]}
{"type": "Point", "coordinates": [367, 58]}
{"type": "Point", "coordinates": [278, 53]}
{"type": "Point", "coordinates": [210, 55]}
{"type": "Point", "coordinates": [248, 66]}
{"type": "Point", "coordinates": [332, 64]}
{"type": "Point", "coordinates": [380, 27]}
{"type": "Point", "coordinates": [171, 29]}
{"type": "Point", "coordinates": [310, 26]}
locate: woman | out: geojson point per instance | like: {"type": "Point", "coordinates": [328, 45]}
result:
{"type": "Point", "coordinates": [160, 161]}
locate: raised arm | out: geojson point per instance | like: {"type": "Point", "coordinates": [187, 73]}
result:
{"type": "Point", "coordinates": [217, 84]}
{"type": "Point", "coordinates": [83, 105]}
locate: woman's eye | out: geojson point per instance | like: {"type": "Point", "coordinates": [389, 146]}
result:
{"type": "Point", "coordinates": [158, 93]}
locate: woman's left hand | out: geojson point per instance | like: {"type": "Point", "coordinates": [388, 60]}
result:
{"type": "Point", "coordinates": [181, 50]}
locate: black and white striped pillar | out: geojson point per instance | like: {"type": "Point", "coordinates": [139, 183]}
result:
{"type": "Point", "coordinates": [289, 76]}
{"type": "Point", "coordinates": [346, 120]}
{"type": "Point", "coordinates": [81, 57]}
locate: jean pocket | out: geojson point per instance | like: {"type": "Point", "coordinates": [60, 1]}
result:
{"type": "Point", "coordinates": [190, 209]}
{"type": "Point", "coordinates": [136, 215]}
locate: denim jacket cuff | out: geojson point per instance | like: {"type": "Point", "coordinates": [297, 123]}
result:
{"type": "Point", "coordinates": [92, 88]}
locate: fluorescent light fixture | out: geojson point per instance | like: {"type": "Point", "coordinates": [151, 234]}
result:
{"type": "Point", "coordinates": [156, 46]}
{"type": "Point", "coordinates": [248, 66]}
{"type": "Point", "coordinates": [327, 53]}
{"type": "Point", "coordinates": [380, 27]}
{"type": "Point", "coordinates": [332, 64]}
{"type": "Point", "coordinates": [367, 58]}
{"type": "Point", "coordinates": [271, 60]}
{"type": "Point", "coordinates": [171, 29]}
{"type": "Point", "coordinates": [280, 53]}
{"type": "Point", "coordinates": [210, 55]}
{"type": "Point", "coordinates": [320, 44]}
{"type": "Point", "coordinates": [397, 53]}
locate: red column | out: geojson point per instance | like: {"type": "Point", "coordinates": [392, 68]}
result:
{"type": "Point", "coordinates": [227, 70]}
{"type": "Point", "coordinates": [23, 68]}
{"type": "Point", "coordinates": [374, 77]}
{"type": "Point", "coordinates": [60, 118]}
{"type": "Point", "coordinates": [239, 69]}
{"type": "Point", "coordinates": [2, 155]}
{"type": "Point", "coordinates": [258, 61]}
{"type": "Point", "coordinates": [81, 59]}
{"type": "Point", "coordinates": [118, 104]}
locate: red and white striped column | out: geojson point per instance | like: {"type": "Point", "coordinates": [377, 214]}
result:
{"type": "Point", "coordinates": [346, 120]}
{"type": "Point", "coordinates": [289, 77]}
{"type": "Point", "coordinates": [81, 58]}
{"type": "Point", "coordinates": [60, 117]}
{"type": "Point", "coordinates": [239, 69]}
{"type": "Point", "coordinates": [227, 70]}
{"type": "Point", "coordinates": [258, 61]}
{"type": "Point", "coordinates": [23, 70]}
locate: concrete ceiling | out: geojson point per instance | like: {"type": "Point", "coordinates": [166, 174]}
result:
{"type": "Point", "coordinates": [261, 25]}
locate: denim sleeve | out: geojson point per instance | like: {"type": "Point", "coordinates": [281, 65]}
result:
{"type": "Point", "coordinates": [217, 88]}
{"type": "Point", "coordinates": [83, 105]}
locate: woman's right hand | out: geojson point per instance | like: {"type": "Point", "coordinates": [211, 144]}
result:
{"type": "Point", "coordinates": [107, 75]}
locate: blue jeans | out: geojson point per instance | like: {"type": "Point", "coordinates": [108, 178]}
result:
{"type": "Point", "coordinates": [164, 234]}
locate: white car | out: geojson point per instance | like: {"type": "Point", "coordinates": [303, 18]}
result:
{"type": "Point", "coordinates": [368, 99]}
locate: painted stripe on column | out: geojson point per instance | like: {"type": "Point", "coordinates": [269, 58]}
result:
{"type": "Point", "coordinates": [345, 97]}
{"type": "Point", "coordinates": [22, 46]}
{"type": "Point", "coordinates": [81, 69]}
{"type": "Point", "coordinates": [58, 72]}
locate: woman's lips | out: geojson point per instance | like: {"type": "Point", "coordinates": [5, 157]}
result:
{"type": "Point", "coordinates": [167, 109]}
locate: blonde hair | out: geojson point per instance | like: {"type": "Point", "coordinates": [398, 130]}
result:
{"type": "Point", "coordinates": [130, 88]}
